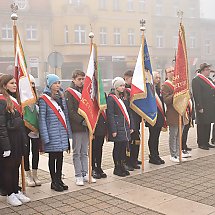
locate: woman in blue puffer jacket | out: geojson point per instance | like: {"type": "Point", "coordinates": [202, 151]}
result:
{"type": "Point", "coordinates": [54, 129]}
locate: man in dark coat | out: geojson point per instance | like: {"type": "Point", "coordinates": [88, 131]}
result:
{"type": "Point", "coordinates": [204, 97]}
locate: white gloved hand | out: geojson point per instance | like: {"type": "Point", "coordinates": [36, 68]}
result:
{"type": "Point", "coordinates": [6, 153]}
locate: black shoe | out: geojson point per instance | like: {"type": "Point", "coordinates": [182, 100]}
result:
{"type": "Point", "coordinates": [139, 162]}
{"type": "Point", "coordinates": [155, 161]}
{"type": "Point", "coordinates": [56, 186]}
{"type": "Point", "coordinates": [203, 147]}
{"type": "Point", "coordinates": [161, 160]}
{"type": "Point", "coordinates": [210, 146]}
{"type": "Point", "coordinates": [135, 166]}
{"type": "Point", "coordinates": [128, 167]}
{"type": "Point", "coordinates": [124, 170]}
{"type": "Point", "coordinates": [101, 172]}
{"type": "Point", "coordinates": [2, 192]}
{"type": "Point", "coordinates": [118, 171]}
{"type": "Point", "coordinates": [65, 187]}
{"type": "Point", "coordinates": [96, 174]}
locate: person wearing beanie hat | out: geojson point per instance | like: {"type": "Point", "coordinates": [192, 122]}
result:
{"type": "Point", "coordinates": [120, 125]}
{"type": "Point", "coordinates": [51, 79]}
{"type": "Point", "coordinates": [55, 130]}
{"type": "Point", "coordinates": [117, 82]}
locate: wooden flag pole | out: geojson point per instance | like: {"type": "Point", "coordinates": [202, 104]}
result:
{"type": "Point", "coordinates": [142, 144]}
{"type": "Point", "coordinates": [14, 17]}
{"type": "Point", "coordinates": [180, 137]}
{"type": "Point", "coordinates": [91, 36]}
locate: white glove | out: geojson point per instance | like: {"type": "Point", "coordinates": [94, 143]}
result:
{"type": "Point", "coordinates": [6, 153]}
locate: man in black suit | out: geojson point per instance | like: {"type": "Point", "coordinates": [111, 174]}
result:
{"type": "Point", "coordinates": [204, 97]}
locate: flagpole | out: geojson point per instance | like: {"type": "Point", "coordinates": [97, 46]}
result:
{"type": "Point", "coordinates": [91, 36]}
{"type": "Point", "coordinates": [180, 16]}
{"type": "Point", "coordinates": [14, 17]}
{"type": "Point", "coordinates": [142, 29]}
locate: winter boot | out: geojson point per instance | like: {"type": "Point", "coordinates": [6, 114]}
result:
{"type": "Point", "coordinates": [29, 179]}
{"type": "Point", "coordinates": [35, 178]}
{"type": "Point", "coordinates": [118, 170]}
{"type": "Point", "coordinates": [55, 184]}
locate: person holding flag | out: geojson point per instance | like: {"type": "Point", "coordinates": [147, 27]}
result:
{"type": "Point", "coordinates": [154, 131]}
{"type": "Point", "coordinates": [80, 137]}
{"type": "Point", "coordinates": [13, 140]}
{"type": "Point", "coordinates": [204, 97]}
{"type": "Point", "coordinates": [32, 129]}
{"type": "Point", "coordinates": [54, 129]}
{"type": "Point", "coordinates": [172, 115]}
{"type": "Point", "coordinates": [120, 125]}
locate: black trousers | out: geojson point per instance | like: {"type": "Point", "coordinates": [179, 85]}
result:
{"type": "Point", "coordinates": [97, 147]}
{"type": "Point", "coordinates": [119, 152]}
{"type": "Point", "coordinates": [203, 134]}
{"type": "Point", "coordinates": [1, 175]}
{"type": "Point", "coordinates": [213, 134]}
{"type": "Point", "coordinates": [35, 144]}
{"type": "Point", "coordinates": [11, 174]}
{"type": "Point", "coordinates": [55, 165]}
{"type": "Point", "coordinates": [184, 136]}
{"type": "Point", "coordinates": [153, 142]}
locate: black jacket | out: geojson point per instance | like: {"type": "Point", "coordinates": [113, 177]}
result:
{"type": "Point", "coordinates": [117, 122]}
{"type": "Point", "coordinates": [204, 97]}
{"type": "Point", "coordinates": [75, 119]}
{"type": "Point", "coordinates": [160, 118]}
{"type": "Point", "coordinates": [13, 140]}
{"type": "Point", "coordinates": [101, 126]}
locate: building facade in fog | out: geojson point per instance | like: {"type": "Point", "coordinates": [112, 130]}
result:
{"type": "Point", "coordinates": [34, 26]}
{"type": "Point", "coordinates": [64, 26]}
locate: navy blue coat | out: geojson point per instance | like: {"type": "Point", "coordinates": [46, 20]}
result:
{"type": "Point", "coordinates": [117, 122]}
{"type": "Point", "coordinates": [53, 134]}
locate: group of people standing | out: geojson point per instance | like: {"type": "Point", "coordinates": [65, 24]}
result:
{"type": "Point", "coordinates": [59, 121]}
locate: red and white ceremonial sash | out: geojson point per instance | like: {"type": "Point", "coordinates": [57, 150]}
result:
{"type": "Point", "coordinates": [189, 109]}
{"type": "Point", "coordinates": [56, 108]}
{"type": "Point", "coordinates": [15, 103]}
{"type": "Point", "coordinates": [74, 93]}
{"type": "Point", "coordinates": [122, 107]}
{"type": "Point", "coordinates": [169, 83]}
{"type": "Point", "coordinates": [128, 90]}
{"type": "Point", "coordinates": [160, 107]}
{"type": "Point", "coordinates": [104, 115]}
{"type": "Point", "coordinates": [206, 80]}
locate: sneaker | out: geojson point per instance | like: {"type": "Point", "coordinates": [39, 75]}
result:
{"type": "Point", "coordinates": [13, 200]}
{"type": "Point", "coordinates": [22, 197]}
{"type": "Point", "coordinates": [185, 154]}
{"type": "Point", "coordinates": [79, 181]}
{"type": "Point", "coordinates": [174, 159]}
{"type": "Point", "coordinates": [86, 179]}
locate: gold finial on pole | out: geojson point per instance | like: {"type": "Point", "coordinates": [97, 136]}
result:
{"type": "Point", "coordinates": [14, 9]}
{"type": "Point", "coordinates": [142, 25]}
{"type": "Point", "coordinates": [180, 14]}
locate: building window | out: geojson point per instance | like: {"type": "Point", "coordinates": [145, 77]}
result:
{"type": "Point", "coordinates": [130, 5]}
{"type": "Point", "coordinates": [192, 41]}
{"type": "Point", "coordinates": [7, 33]}
{"type": "Point", "coordinates": [159, 40]}
{"type": "Point", "coordinates": [192, 12]}
{"type": "Point", "coordinates": [75, 3]}
{"type": "Point", "coordinates": [31, 31]}
{"type": "Point", "coordinates": [208, 47]}
{"type": "Point", "coordinates": [116, 5]}
{"type": "Point", "coordinates": [22, 4]}
{"type": "Point", "coordinates": [158, 8]}
{"type": "Point", "coordinates": [80, 34]}
{"type": "Point", "coordinates": [103, 36]}
{"type": "Point", "coordinates": [142, 5]}
{"type": "Point", "coordinates": [117, 40]}
{"type": "Point", "coordinates": [102, 4]}
{"type": "Point", "coordinates": [131, 40]}
{"type": "Point", "coordinates": [66, 34]}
